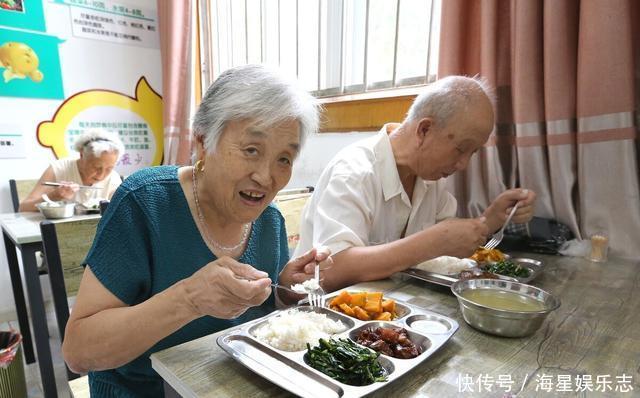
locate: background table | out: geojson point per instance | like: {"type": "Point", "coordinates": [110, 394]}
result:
{"type": "Point", "coordinates": [595, 332]}
{"type": "Point", "coordinates": [22, 231]}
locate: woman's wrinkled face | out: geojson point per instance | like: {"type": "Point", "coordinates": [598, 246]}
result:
{"type": "Point", "coordinates": [94, 169]}
{"type": "Point", "coordinates": [249, 166]}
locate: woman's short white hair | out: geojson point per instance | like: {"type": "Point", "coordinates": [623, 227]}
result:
{"type": "Point", "coordinates": [253, 92]}
{"type": "Point", "coordinates": [95, 142]}
{"type": "Point", "coordinates": [443, 98]}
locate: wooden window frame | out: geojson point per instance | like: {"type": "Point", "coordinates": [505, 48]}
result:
{"type": "Point", "coordinates": [367, 111]}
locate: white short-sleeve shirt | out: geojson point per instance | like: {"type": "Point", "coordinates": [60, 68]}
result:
{"type": "Point", "coordinates": [66, 169]}
{"type": "Point", "coordinates": [359, 200]}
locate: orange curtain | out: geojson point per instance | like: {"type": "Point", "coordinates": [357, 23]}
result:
{"type": "Point", "coordinates": [567, 79]}
{"type": "Point", "coordinates": [175, 24]}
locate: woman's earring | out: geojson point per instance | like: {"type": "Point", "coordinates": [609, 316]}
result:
{"type": "Point", "coordinates": [199, 165]}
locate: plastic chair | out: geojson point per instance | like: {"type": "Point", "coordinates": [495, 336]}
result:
{"type": "Point", "coordinates": [291, 203]}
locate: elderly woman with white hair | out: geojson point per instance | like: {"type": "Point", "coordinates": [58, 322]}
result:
{"type": "Point", "coordinates": [182, 252]}
{"type": "Point", "coordinates": [99, 152]}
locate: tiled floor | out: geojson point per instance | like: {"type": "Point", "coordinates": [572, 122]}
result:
{"type": "Point", "coordinates": [32, 372]}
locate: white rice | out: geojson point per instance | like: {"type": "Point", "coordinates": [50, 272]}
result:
{"type": "Point", "coordinates": [310, 285]}
{"type": "Point", "coordinates": [446, 265]}
{"type": "Point", "coordinates": [293, 329]}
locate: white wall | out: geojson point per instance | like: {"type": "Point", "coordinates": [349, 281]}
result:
{"type": "Point", "coordinates": [317, 152]}
{"type": "Point", "coordinates": [19, 112]}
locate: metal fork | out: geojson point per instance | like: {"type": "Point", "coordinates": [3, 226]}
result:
{"type": "Point", "coordinates": [497, 237]}
{"type": "Point", "coordinates": [316, 298]}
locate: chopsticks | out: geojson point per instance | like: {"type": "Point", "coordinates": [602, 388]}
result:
{"type": "Point", "coordinates": [57, 184]}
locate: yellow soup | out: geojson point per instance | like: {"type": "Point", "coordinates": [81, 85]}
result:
{"type": "Point", "coordinates": [503, 300]}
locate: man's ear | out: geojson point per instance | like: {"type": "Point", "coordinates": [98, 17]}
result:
{"type": "Point", "coordinates": [423, 129]}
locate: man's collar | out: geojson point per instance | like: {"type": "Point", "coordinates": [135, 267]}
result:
{"type": "Point", "coordinates": [391, 184]}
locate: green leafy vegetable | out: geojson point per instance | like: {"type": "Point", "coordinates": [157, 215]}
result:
{"type": "Point", "coordinates": [508, 268]}
{"type": "Point", "coordinates": [346, 362]}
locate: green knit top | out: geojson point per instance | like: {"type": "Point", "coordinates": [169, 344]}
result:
{"type": "Point", "coordinates": [147, 241]}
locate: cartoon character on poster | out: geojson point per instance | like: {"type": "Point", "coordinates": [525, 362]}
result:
{"type": "Point", "coordinates": [30, 65]}
{"type": "Point", "coordinates": [19, 61]}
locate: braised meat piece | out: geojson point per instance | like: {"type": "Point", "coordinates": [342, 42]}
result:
{"type": "Point", "coordinates": [406, 352]}
{"type": "Point", "coordinates": [475, 274]}
{"type": "Point", "coordinates": [394, 342]}
{"type": "Point", "coordinates": [381, 346]}
{"type": "Point", "coordinates": [368, 337]}
{"type": "Point", "coordinates": [403, 339]}
{"type": "Point", "coordinates": [388, 335]}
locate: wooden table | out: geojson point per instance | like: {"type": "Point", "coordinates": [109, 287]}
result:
{"type": "Point", "coordinates": [595, 332]}
{"type": "Point", "coordinates": [22, 231]}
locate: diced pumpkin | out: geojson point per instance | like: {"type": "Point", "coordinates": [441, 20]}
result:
{"type": "Point", "coordinates": [374, 302]}
{"type": "Point", "coordinates": [343, 298]}
{"type": "Point", "coordinates": [384, 316]}
{"type": "Point", "coordinates": [389, 306]}
{"type": "Point", "coordinates": [377, 296]}
{"type": "Point", "coordinates": [361, 314]}
{"type": "Point", "coordinates": [358, 299]}
{"type": "Point", "coordinates": [346, 309]}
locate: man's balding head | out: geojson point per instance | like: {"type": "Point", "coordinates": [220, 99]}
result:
{"type": "Point", "coordinates": [450, 120]}
{"type": "Point", "coordinates": [445, 98]}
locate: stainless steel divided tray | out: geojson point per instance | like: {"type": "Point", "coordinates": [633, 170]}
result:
{"type": "Point", "coordinates": [289, 370]}
{"type": "Point", "coordinates": [535, 267]}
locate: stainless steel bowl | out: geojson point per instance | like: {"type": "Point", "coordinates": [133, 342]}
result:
{"type": "Point", "coordinates": [503, 322]}
{"type": "Point", "coordinates": [57, 210]}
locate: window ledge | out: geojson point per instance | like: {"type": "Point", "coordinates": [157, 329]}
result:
{"type": "Point", "coordinates": [374, 95]}
{"type": "Point", "coordinates": [366, 111]}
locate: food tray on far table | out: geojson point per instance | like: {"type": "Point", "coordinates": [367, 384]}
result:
{"type": "Point", "coordinates": [291, 370]}
{"type": "Point", "coordinates": [81, 209]}
{"type": "Point", "coordinates": [534, 267]}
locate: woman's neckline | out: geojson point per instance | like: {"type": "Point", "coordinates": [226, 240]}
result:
{"type": "Point", "coordinates": [183, 175]}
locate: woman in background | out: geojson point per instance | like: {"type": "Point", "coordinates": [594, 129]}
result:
{"type": "Point", "coordinates": [99, 152]}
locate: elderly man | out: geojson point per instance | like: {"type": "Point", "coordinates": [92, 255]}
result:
{"type": "Point", "coordinates": [381, 205]}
